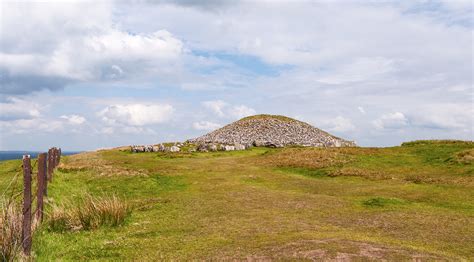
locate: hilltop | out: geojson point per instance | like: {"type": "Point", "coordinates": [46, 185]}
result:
{"type": "Point", "coordinates": [272, 131]}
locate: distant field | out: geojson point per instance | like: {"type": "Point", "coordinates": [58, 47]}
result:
{"type": "Point", "coordinates": [398, 203]}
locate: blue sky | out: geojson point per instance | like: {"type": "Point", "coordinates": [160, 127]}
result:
{"type": "Point", "coordinates": [84, 75]}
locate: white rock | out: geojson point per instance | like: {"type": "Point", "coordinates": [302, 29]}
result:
{"type": "Point", "coordinates": [239, 146]}
{"type": "Point", "coordinates": [212, 148]}
{"type": "Point", "coordinates": [174, 149]}
{"type": "Point", "coordinates": [229, 148]}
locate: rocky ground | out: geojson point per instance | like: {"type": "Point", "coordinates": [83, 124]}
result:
{"type": "Point", "coordinates": [271, 131]}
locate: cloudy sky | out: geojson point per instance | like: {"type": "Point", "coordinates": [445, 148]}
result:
{"type": "Point", "coordinates": [90, 74]}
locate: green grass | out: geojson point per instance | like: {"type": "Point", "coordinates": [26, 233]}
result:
{"type": "Point", "coordinates": [404, 202]}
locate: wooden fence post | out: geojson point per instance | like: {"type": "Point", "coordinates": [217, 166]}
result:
{"type": "Point", "coordinates": [55, 157]}
{"type": "Point", "coordinates": [41, 184]}
{"type": "Point", "coordinates": [50, 164]}
{"type": "Point", "coordinates": [53, 153]}
{"type": "Point", "coordinates": [26, 223]}
{"type": "Point", "coordinates": [59, 155]}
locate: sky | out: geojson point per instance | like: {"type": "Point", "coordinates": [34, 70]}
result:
{"type": "Point", "coordinates": [85, 75]}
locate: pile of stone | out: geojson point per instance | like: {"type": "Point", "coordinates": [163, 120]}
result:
{"type": "Point", "coordinates": [271, 131]}
{"type": "Point", "coordinates": [212, 147]}
{"type": "Point", "coordinates": [155, 148]}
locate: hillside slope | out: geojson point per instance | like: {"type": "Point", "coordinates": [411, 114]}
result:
{"type": "Point", "coordinates": [404, 203]}
{"type": "Point", "coordinates": [272, 130]}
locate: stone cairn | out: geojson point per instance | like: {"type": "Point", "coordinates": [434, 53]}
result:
{"type": "Point", "coordinates": [258, 131]}
{"type": "Point", "coordinates": [271, 131]}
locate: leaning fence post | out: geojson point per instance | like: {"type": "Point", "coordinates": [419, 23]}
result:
{"type": "Point", "coordinates": [26, 224]}
{"type": "Point", "coordinates": [41, 185]}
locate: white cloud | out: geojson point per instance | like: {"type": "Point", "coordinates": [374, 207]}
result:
{"type": "Point", "coordinates": [14, 108]}
{"type": "Point", "coordinates": [206, 125]}
{"type": "Point", "coordinates": [444, 116]}
{"type": "Point", "coordinates": [63, 46]}
{"type": "Point", "coordinates": [359, 70]}
{"type": "Point", "coordinates": [126, 130]}
{"type": "Point", "coordinates": [340, 124]}
{"type": "Point", "coordinates": [136, 114]}
{"type": "Point", "coordinates": [216, 106]}
{"type": "Point", "coordinates": [224, 109]}
{"type": "Point", "coordinates": [110, 55]}
{"type": "Point", "coordinates": [395, 120]}
{"type": "Point", "coordinates": [74, 119]}
{"type": "Point", "coordinates": [241, 111]}
{"type": "Point", "coordinates": [94, 57]}
{"type": "Point", "coordinates": [30, 126]}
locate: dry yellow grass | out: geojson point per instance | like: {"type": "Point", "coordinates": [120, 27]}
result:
{"type": "Point", "coordinates": [89, 213]}
{"type": "Point", "coordinates": [465, 157]}
{"type": "Point", "coordinates": [93, 161]}
{"type": "Point", "coordinates": [10, 231]}
{"type": "Point", "coordinates": [306, 158]}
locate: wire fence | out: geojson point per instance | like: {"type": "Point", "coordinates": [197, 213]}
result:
{"type": "Point", "coordinates": [34, 191]}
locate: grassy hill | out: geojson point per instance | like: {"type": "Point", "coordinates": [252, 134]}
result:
{"type": "Point", "coordinates": [411, 201]}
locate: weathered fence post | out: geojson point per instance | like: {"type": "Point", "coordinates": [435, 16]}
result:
{"type": "Point", "coordinates": [26, 224]}
{"type": "Point", "coordinates": [41, 185]}
{"type": "Point", "coordinates": [54, 158]}
{"type": "Point", "coordinates": [50, 164]}
{"type": "Point", "coordinates": [53, 150]}
{"type": "Point", "coordinates": [59, 155]}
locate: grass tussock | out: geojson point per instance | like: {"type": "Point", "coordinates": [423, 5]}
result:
{"type": "Point", "coordinates": [89, 213]}
{"type": "Point", "coordinates": [10, 231]}
{"type": "Point", "coordinates": [465, 157]}
{"type": "Point", "coordinates": [60, 219]}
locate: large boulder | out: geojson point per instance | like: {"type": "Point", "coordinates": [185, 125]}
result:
{"type": "Point", "coordinates": [212, 147]}
{"type": "Point", "coordinates": [161, 148]}
{"type": "Point", "coordinates": [239, 146]}
{"type": "Point", "coordinates": [229, 148]}
{"type": "Point", "coordinates": [174, 149]}
{"type": "Point", "coordinates": [202, 148]}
